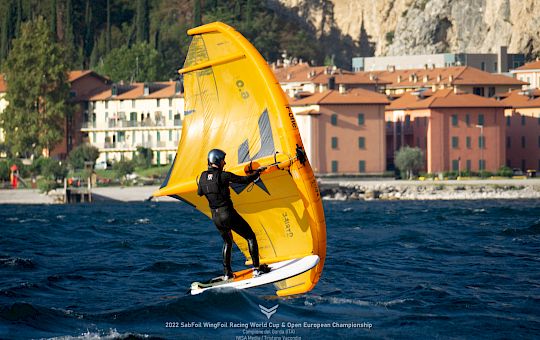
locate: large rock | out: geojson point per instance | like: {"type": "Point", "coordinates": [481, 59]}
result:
{"type": "Point", "coordinates": [430, 26]}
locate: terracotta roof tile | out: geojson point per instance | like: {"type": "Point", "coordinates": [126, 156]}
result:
{"type": "Point", "coordinates": [535, 65]}
{"type": "Point", "coordinates": [77, 74]}
{"type": "Point", "coordinates": [458, 75]}
{"type": "Point", "coordinates": [136, 91]}
{"type": "Point", "coordinates": [519, 98]}
{"type": "Point", "coordinates": [443, 98]}
{"type": "Point", "coordinates": [353, 96]}
{"type": "Point", "coordinates": [303, 73]}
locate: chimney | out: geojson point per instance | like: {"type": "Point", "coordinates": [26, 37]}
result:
{"type": "Point", "coordinates": [439, 78]}
{"type": "Point", "coordinates": [288, 76]}
{"type": "Point", "coordinates": [391, 68]}
{"type": "Point", "coordinates": [146, 89]}
{"type": "Point", "coordinates": [426, 78]}
{"type": "Point", "coordinates": [455, 90]}
{"type": "Point", "coordinates": [114, 90]}
{"type": "Point", "coordinates": [433, 88]}
{"type": "Point", "coordinates": [321, 87]}
{"type": "Point", "coordinates": [450, 79]}
{"type": "Point", "coordinates": [426, 66]}
{"type": "Point", "coordinates": [399, 78]}
{"type": "Point", "coordinates": [342, 88]}
{"type": "Point", "coordinates": [332, 83]}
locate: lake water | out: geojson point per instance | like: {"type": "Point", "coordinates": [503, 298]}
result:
{"type": "Point", "coordinates": [400, 269]}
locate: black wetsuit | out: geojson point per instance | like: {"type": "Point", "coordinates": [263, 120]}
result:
{"type": "Point", "coordinates": [214, 184]}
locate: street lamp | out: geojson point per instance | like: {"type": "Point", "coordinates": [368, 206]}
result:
{"type": "Point", "coordinates": [481, 127]}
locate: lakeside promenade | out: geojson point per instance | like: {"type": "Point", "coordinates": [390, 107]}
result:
{"type": "Point", "coordinates": [331, 188]}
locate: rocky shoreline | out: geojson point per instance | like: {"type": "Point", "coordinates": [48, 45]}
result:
{"type": "Point", "coordinates": [331, 189]}
{"type": "Point", "coordinates": [447, 190]}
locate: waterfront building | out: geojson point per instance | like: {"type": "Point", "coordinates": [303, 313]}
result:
{"type": "Point", "coordinates": [83, 84]}
{"type": "Point", "coordinates": [123, 117]}
{"type": "Point", "coordinates": [529, 73]}
{"type": "Point", "coordinates": [490, 62]}
{"type": "Point", "coordinates": [301, 79]}
{"type": "Point", "coordinates": [457, 131]}
{"type": "Point", "coordinates": [523, 129]}
{"type": "Point", "coordinates": [462, 78]}
{"type": "Point", "coordinates": [343, 130]}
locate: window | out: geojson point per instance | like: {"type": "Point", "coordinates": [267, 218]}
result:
{"type": "Point", "coordinates": [523, 141]}
{"type": "Point", "coordinates": [362, 142]}
{"type": "Point", "coordinates": [483, 65]}
{"type": "Point", "coordinates": [133, 103]}
{"type": "Point", "coordinates": [495, 68]}
{"type": "Point", "coordinates": [508, 120]}
{"type": "Point", "coordinates": [491, 91]}
{"type": "Point", "coordinates": [362, 166]}
{"type": "Point", "coordinates": [523, 120]}
{"type": "Point", "coordinates": [479, 91]}
{"type": "Point", "coordinates": [334, 166]}
{"type": "Point", "coordinates": [454, 120]}
{"type": "Point", "coordinates": [361, 119]}
{"type": "Point", "coordinates": [468, 165]}
{"type": "Point", "coordinates": [482, 164]}
{"type": "Point", "coordinates": [170, 135]}
{"type": "Point", "coordinates": [468, 142]}
{"type": "Point", "coordinates": [455, 165]}
{"type": "Point", "coordinates": [333, 119]}
{"type": "Point", "coordinates": [481, 119]}
{"type": "Point", "coordinates": [508, 142]}
{"type": "Point", "coordinates": [158, 101]}
{"type": "Point", "coordinates": [539, 143]}
{"type": "Point", "coordinates": [468, 119]}
{"type": "Point", "coordinates": [482, 142]}
{"type": "Point", "coordinates": [170, 115]}
{"type": "Point", "coordinates": [455, 142]}
{"type": "Point", "coordinates": [334, 143]}
{"type": "Point", "coordinates": [158, 136]}
{"type": "Point", "coordinates": [407, 120]}
{"type": "Point", "coordinates": [170, 102]}
{"type": "Point", "coordinates": [106, 104]}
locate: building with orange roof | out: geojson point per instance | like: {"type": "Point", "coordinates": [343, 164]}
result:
{"type": "Point", "coordinates": [523, 129]}
{"type": "Point", "coordinates": [83, 83]}
{"type": "Point", "coordinates": [122, 117]}
{"type": "Point", "coordinates": [529, 73]}
{"type": "Point", "coordinates": [457, 131]}
{"type": "Point", "coordinates": [463, 78]}
{"type": "Point", "coordinates": [303, 79]}
{"type": "Point", "coordinates": [343, 130]}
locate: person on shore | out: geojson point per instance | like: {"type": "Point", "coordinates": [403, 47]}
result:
{"type": "Point", "coordinates": [214, 185]}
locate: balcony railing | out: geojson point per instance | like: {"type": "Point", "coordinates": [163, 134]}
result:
{"type": "Point", "coordinates": [122, 123]}
{"type": "Point", "coordinates": [125, 145]}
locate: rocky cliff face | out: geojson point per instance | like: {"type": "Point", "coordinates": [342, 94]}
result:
{"type": "Point", "coordinates": [397, 27]}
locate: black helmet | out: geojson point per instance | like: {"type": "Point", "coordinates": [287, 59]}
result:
{"type": "Point", "coordinates": [215, 156]}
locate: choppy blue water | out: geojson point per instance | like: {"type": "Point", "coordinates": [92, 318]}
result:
{"type": "Point", "coordinates": [448, 269]}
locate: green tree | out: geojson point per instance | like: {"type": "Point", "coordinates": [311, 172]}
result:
{"type": "Point", "coordinates": [409, 160]}
{"type": "Point", "coordinates": [123, 168]}
{"type": "Point", "coordinates": [83, 153]}
{"type": "Point", "coordinates": [197, 15]}
{"type": "Point", "coordinates": [144, 157]}
{"type": "Point", "coordinates": [138, 63]}
{"type": "Point", "coordinates": [143, 25]}
{"type": "Point", "coordinates": [38, 89]}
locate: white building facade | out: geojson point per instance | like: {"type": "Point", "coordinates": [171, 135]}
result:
{"type": "Point", "coordinates": [124, 117]}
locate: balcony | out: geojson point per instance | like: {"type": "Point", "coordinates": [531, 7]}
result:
{"type": "Point", "coordinates": [120, 124]}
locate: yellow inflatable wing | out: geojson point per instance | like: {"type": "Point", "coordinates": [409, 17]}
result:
{"type": "Point", "coordinates": [233, 102]}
